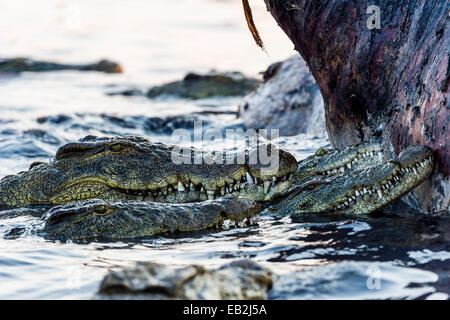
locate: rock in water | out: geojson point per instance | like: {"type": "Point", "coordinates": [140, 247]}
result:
{"type": "Point", "coordinates": [197, 86]}
{"type": "Point", "coordinates": [18, 65]}
{"type": "Point", "coordinates": [289, 101]}
{"type": "Point", "coordinates": [242, 279]}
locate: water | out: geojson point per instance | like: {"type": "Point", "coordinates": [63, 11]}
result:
{"type": "Point", "coordinates": [401, 257]}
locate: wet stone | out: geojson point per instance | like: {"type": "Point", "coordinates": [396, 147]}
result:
{"type": "Point", "coordinates": [201, 86]}
{"type": "Point", "coordinates": [242, 279]}
{"type": "Point", "coordinates": [289, 100]}
{"type": "Point", "coordinates": [18, 65]}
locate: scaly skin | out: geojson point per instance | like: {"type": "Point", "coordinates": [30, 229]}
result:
{"type": "Point", "coordinates": [352, 181]}
{"type": "Point", "coordinates": [330, 162]}
{"type": "Point", "coordinates": [132, 168]}
{"type": "Point", "coordinates": [355, 191]}
{"type": "Point", "coordinates": [118, 220]}
{"type": "Point", "coordinates": [359, 191]}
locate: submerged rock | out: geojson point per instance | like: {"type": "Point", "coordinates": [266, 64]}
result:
{"type": "Point", "coordinates": [17, 65]}
{"type": "Point", "coordinates": [289, 101]}
{"type": "Point", "coordinates": [112, 124]}
{"type": "Point", "coordinates": [197, 86]}
{"type": "Point", "coordinates": [131, 92]}
{"type": "Point", "coordinates": [243, 279]}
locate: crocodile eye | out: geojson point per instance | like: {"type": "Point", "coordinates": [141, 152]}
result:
{"type": "Point", "coordinates": [102, 211]}
{"type": "Point", "coordinates": [117, 147]}
{"type": "Point", "coordinates": [321, 152]}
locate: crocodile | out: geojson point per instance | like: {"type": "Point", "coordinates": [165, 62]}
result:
{"type": "Point", "coordinates": [133, 168]}
{"type": "Point", "coordinates": [18, 65]}
{"type": "Point", "coordinates": [358, 191]}
{"type": "Point", "coordinates": [98, 219]}
{"type": "Point", "coordinates": [354, 192]}
{"type": "Point", "coordinates": [126, 173]}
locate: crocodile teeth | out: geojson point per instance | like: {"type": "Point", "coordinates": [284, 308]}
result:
{"type": "Point", "coordinates": [227, 190]}
{"type": "Point", "coordinates": [357, 193]}
{"type": "Point", "coordinates": [266, 186]}
{"type": "Point", "coordinates": [180, 186]}
{"type": "Point", "coordinates": [364, 190]}
{"type": "Point", "coordinates": [346, 203]}
{"type": "Point", "coordinates": [335, 171]}
{"type": "Point", "coordinates": [415, 171]}
{"type": "Point", "coordinates": [380, 195]}
{"type": "Point", "coordinates": [226, 224]}
{"type": "Point", "coordinates": [164, 191]}
{"type": "Point", "coordinates": [349, 165]}
{"type": "Point", "coordinates": [341, 169]}
{"type": "Point", "coordinates": [249, 178]}
{"type": "Point", "coordinates": [210, 194]}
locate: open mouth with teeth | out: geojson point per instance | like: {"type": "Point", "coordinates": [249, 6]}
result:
{"type": "Point", "coordinates": [329, 162]}
{"type": "Point", "coordinates": [247, 185]}
{"type": "Point", "coordinates": [354, 162]}
{"type": "Point", "coordinates": [183, 191]}
{"type": "Point", "coordinates": [358, 191]}
{"type": "Point", "coordinates": [397, 179]}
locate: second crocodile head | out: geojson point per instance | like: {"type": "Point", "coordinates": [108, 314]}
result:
{"type": "Point", "coordinates": [359, 191]}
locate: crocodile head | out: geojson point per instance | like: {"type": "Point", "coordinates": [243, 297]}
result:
{"type": "Point", "coordinates": [132, 168]}
{"type": "Point", "coordinates": [118, 220]}
{"type": "Point", "coordinates": [330, 162]}
{"type": "Point", "coordinates": [360, 191]}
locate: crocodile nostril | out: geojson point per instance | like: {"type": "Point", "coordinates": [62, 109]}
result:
{"type": "Point", "coordinates": [71, 149]}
